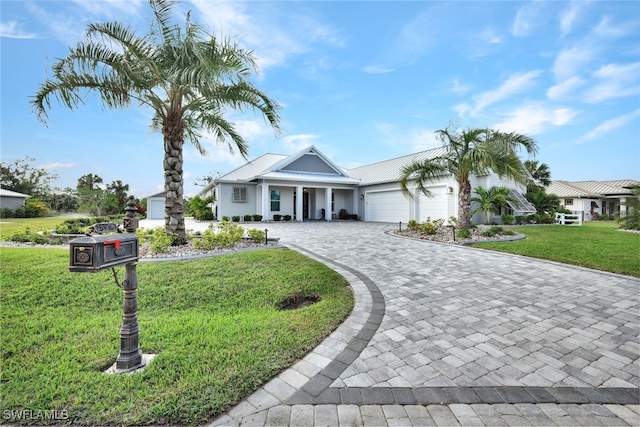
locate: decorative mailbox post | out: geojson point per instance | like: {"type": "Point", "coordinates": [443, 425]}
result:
{"type": "Point", "coordinates": [98, 252]}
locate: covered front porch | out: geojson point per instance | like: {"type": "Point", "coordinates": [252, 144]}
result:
{"type": "Point", "coordinates": [305, 201]}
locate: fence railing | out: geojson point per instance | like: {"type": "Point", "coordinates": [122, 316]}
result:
{"type": "Point", "coordinates": [568, 219]}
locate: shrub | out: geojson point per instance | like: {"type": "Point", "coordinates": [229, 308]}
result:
{"type": "Point", "coordinates": [343, 214]}
{"type": "Point", "coordinates": [224, 234]}
{"type": "Point", "coordinates": [463, 233]}
{"type": "Point", "coordinates": [225, 218]}
{"type": "Point", "coordinates": [235, 218]}
{"type": "Point", "coordinates": [508, 219]}
{"type": "Point", "coordinates": [248, 218]}
{"type": "Point", "coordinates": [287, 217]}
{"type": "Point", "coordinates": [35, 208]}
{"type": "Point", "coordinates": [257, 217]}
{"type": "Point", "coordinates": [27, 235]}
{"type": "Point", "coordinates": [7, 213]}
{"type": "Point", "coordinates": [257, 235]}
{"type": "Point", "coordinates": [413, 225]}
{"type": "Point", "coordinates": [162, 240]}
{"type": "Point", "coordinates": [431, 227]}
{"type": "Point", "coordinates": [495, 230]}
{"type": "Point", "coordinates": [277, 217]}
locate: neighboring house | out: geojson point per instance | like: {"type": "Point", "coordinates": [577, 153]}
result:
{"type": "Point", "coordinates": [155, 206]}
{"type": "Point", "coordinates": [11, 199]}
{"type": "Point", "coordinates": [307, 185]}
{"type": "Point", "coordinates": [592, 198]}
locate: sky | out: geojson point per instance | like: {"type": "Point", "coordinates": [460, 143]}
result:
{"type": "Point", "coordinates": [363, 81]}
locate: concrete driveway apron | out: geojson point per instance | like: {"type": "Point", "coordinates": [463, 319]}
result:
{"type": "Point", "coordinates": [450, 335]}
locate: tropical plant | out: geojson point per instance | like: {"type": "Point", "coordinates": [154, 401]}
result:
{"type": "Point", "coordinates": [490, 201]}
{"type": "Point", "coordinates": [631, 218]}
{"type": "Point", "coordinates": [470, 152]}
{"type": "Point", "coordinates": [540, 173]}
{"type": "Point", "coordinates": [188, 77]}
{"type": "Point", "coordinates": [544, 202]}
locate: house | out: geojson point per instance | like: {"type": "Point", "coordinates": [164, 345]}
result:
{"type": "Point", "coordinates": [593, 198]}
{"type": "Point", "coordinates": [11, 199]}
{"type": "Point", "coordinates": [155, 206]}
{"type": "Point", "coordinates": [308, 185]}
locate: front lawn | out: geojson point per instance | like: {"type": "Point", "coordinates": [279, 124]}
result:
{"type": "Point", "coordinates": [595, 244]}
{"type": "Point", "coordinates": [9, 226]}
{"type": "Point", "coordinates": [213, 323]}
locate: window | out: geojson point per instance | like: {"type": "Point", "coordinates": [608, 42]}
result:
{"type": "Point", "coordinates": [275, 200]}
{"type": "Point", "coordinates": [568, 202]}
{"type": "Point", "coordinates": [239, 194]}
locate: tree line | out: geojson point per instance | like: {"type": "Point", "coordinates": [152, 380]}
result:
{"type": "Point", "coordinates": [91, 194]}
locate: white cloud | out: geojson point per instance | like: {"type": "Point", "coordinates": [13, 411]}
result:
{"type": "Point", "coordinates": [12, 30]}
{"type": "Point", "coordinates": [514, 84]}
{"type": "Point", "coordinates": [611, 124]}
{"type": "Point", "coordinates": [489, 36]}
{"type": "Point", "coordinates": [295, 143]}
{"type": "Point", "coordinates": [459, 88]}
{"type": "Point", "coordinates": [64, 26]}
{"type": "Point", "coordinates": [615, 81]}
{"type": "Point", "coordinates": [527, 19]}
{"type": "Point", "coordinates": [53, 166]}
{"type": "Point", "coordinates": [570, 61]}
{"type": "Point", "coordinates": [418, 139]}
{"type": "Point", "coordinates": [462, 109]}
{"type": "Point", "coordinates": [377, 69]}
{"type": "Point", "coordinates": [568, 17]}
{"type": "Point", "coordinates": [563, 88]}
{"type": "Point", "coordinates": [112, 8]}
{"type": "Point", "coordinates": [610, 30]}
{"type": "Point", "coordinates": [534, 118]}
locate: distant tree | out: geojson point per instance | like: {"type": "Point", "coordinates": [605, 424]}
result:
{"type": "Point", "coordinates": [22, 177]}
{"type": "Point", "coordinates": [63, 200]}
{"type": "Point", "coordinates": [88, 182]}
{"type": "Point", "coordinates": [119, 196]}
{"type": "Point", "coordinates": [490, 201]}
{"type": "Point", "coordinates": [189, 78]}
{"type": "Point", "coordinates": [93, 197]}
{"type": "Point", "coordinates": [470, 152]}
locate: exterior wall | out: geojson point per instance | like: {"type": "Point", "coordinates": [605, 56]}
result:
{"type": "Point", "coordinates": [155, 207]}
{"type": "Point", "coordinates": [12, 202]}
{"type": "Point", "coordinates": [286, 201]}
{"type": "Point", "coordinates": [226, 205]}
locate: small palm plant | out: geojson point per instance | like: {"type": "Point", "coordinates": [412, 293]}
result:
{"type": "Point", "coordinates": [490, 201]}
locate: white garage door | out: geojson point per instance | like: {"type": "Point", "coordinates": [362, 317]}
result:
{"type": "Point", "coordinates": [433, 207]}
{"type": "Point", "coordinates": [155, 208]}
{"type": "Point", "coordinates": [387, 206]}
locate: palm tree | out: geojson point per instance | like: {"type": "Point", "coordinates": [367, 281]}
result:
{"type": "Point", "coordinates": [471, 151]}
{"type": "Point", "coordinates": [540, 173]}
{"type": "Point", "coordinates": [490, 200]}
{"type": "Point", "coordinates": [186, 76]}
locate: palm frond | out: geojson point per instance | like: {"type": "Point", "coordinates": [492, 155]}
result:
{"type": "Point", "coordinates": [424, 173]}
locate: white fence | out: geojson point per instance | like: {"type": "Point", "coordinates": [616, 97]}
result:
{"type": "Point", "coordinates": [568, 219]}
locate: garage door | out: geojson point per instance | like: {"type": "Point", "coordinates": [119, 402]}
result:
{"type": "Point", "coordinates": [433, 207]}
{"type": "Point", "coordinates": [387, 206]}
{"type": "Point", "coordinates": [155, 208]}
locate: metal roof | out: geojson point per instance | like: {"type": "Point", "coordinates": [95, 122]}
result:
{"type": "Point", "coordinates": [391, 170]}
{"type": "Point", "coordinates": [9, 193]}
{"type": "Point", "coordinates": [252, 168]}
{"type": "Point", "coordinates": [592, 189]}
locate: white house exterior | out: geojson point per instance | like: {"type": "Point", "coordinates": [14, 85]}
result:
{"type": "Point", "coordinates": [307, 185]}
{"type": "Point", "coordinates": [155, 206]}
{"type": "Point", "coordinates": [593, 198]}
{"type": "Point", "coordinates": [12, 199]}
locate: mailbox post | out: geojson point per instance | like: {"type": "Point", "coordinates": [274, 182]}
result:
{"type": "Point", "coordinates": [98, 252]}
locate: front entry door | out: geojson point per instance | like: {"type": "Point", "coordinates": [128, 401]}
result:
{"type": "Point", "coordinates": [305, 205]}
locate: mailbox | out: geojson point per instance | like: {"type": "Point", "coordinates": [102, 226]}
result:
{"type": "Point", "coordinates": [96, 253]}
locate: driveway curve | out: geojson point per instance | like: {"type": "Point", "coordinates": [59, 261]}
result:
{"type": "Point", "coordinates": [451, 335]}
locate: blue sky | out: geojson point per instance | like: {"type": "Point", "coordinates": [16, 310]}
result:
{"type": "Point", "coordinates": [362, 81]}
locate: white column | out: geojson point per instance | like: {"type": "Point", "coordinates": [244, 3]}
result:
{"type": "Point", "coordinates": [355, 202]}
{"type": "Point", "coordinates": [328, 192]}
{"type": "Point", "coordinates": [266, 201]}
{"type": "Point", "coordinates": [299, 200]}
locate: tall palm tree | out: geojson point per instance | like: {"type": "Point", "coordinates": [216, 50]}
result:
{"type": "Point", "coordinates": [539, 172]}
{"type": "Point", "coordinates": [186, 76]}
{"type": "Point", "coordinates": [470, 152]}
{"type": "Point", "coordinates": [490, 200]}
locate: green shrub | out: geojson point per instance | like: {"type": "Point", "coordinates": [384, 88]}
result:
{"type": "Point", "coordinates": [463, 233]}
{"type": "Point", "coordinates": [27, 235]}
{"type": "Point", "coordinates": [431, 227]}
{"type": "Point", "coordinates": [235, 218]}
{"type": "Point", "coordinates": [508, 219]}
{"type": "Point", "coordinates": [287, 217]}
{"type": "Point", "coordinates": [224, 234]}
{"type": "Point", "coordinates": [162, 240]}
{"type": "Point", "coordinates": [257, 217]}
{"type": "Point", "coordinates": [495, 230]}
{"type": "Point", "coordinates": [277, 217]}
{"type": "Point", "coordinates": [7, 213]}
{"type": "Point", "coordinates": [413, 225]}
{"type": "Point", "coordinates": [257, 235]}
{"type": "Point", "coordinates": [225, 218]}
{"type": "Point", "coordinates": [248, 218]}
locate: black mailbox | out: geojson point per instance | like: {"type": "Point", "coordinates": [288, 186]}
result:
{"type": "Point", "coordinates": [96, 253]}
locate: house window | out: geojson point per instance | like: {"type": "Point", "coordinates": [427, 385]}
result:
{"type": "Point", "coordinates": [275, 200]}
{"type": "Point", "coordinates": [239, 194]}
{"type": "Point", "coordinates": [568, 202]}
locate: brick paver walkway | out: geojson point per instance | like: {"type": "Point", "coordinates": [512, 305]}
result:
{"type": "Point", "coordinates": [448, 335]}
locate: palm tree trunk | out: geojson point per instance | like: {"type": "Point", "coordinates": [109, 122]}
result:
{"type": "Point", "coordinates": [464, 203]}
{"type": "Point", "coordinates": [173, 132]}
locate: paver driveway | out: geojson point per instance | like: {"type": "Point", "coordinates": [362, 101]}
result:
{"type": "Point", "coordinates": [448, 335]}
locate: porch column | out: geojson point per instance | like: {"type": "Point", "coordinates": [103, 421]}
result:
{"type": "Point", "coordinates": [266, 200]}
{"type": "Point", "coordinates": [328, 215]}
{"type": "Point", "coordinates": [355, 202]}
{"type": "Point", "coordinates": [299, 200]}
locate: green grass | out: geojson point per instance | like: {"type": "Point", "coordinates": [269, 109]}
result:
{"type": "Point", "coordinates": [213, 324]}
{"type": "Point", "coordinates": [595, 244]}
{"type": "Point", "coordinates": [9, 226]}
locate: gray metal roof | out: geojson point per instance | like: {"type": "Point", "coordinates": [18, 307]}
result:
{"type": "Point", "coordinates": [9, 193]}
{"type": "Point", "coordinates": [391, 170]}
{"type": "Point", "coordinates": [252, 168]}
{"type": "Point", "coordinates": [592, 189]}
